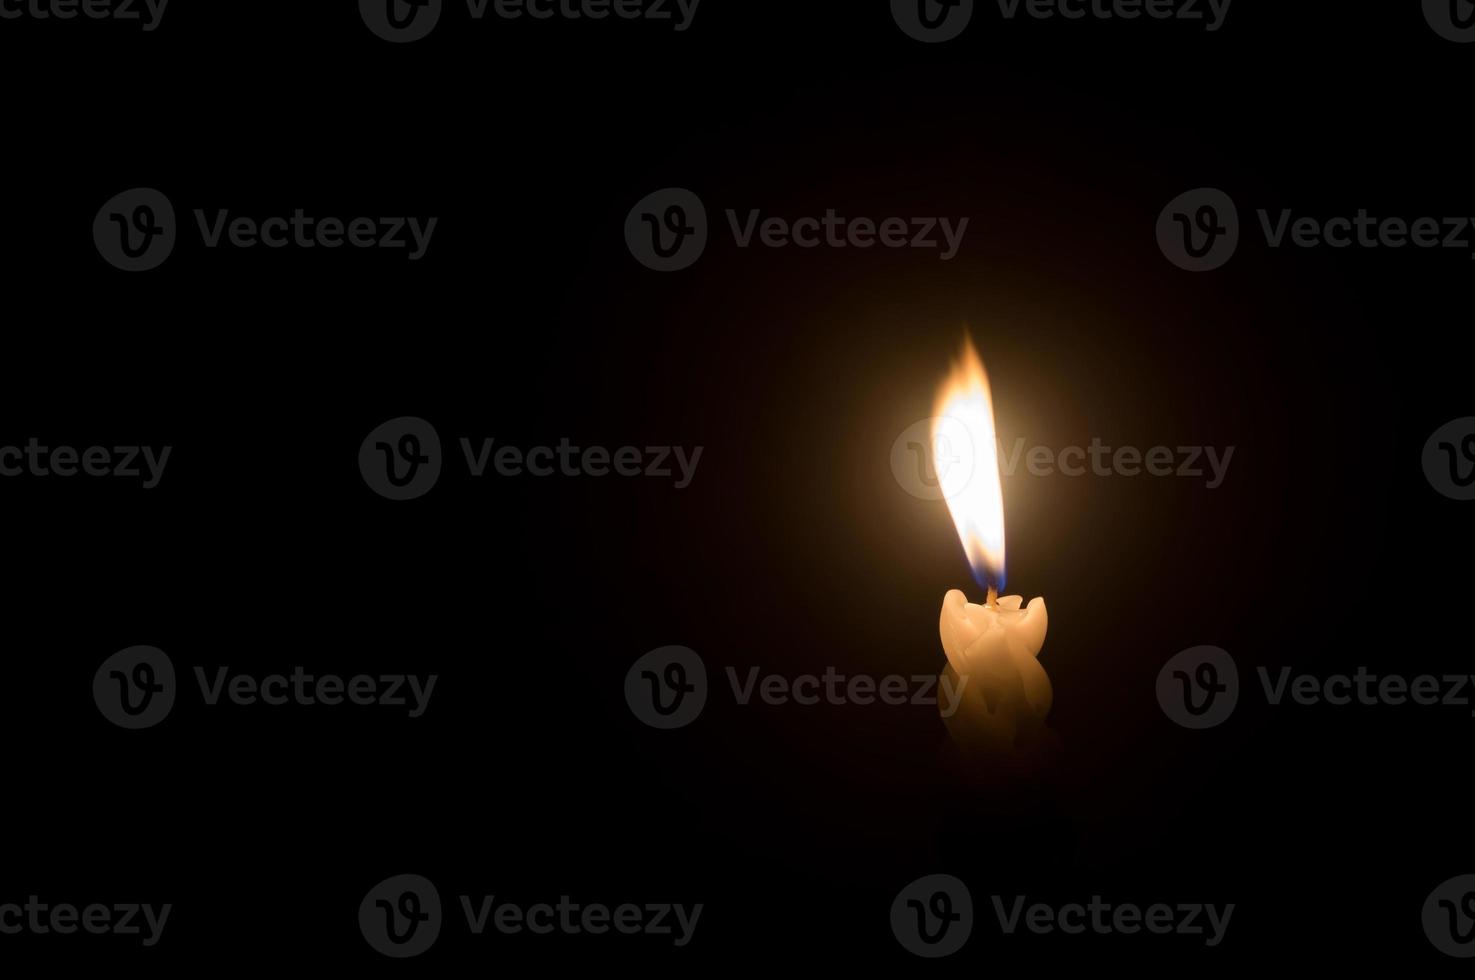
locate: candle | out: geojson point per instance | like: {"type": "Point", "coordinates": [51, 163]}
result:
{"type": "Point", "coordinates": [992, 648]}
{"type": "Point", "coordinates": [991, 651]}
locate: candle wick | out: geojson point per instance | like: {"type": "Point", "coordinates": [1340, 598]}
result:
{"type": "Point", "coordinates": [993, 597]}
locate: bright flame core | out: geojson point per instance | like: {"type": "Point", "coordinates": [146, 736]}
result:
{"type": "Point", "coordinates": [965, 459]}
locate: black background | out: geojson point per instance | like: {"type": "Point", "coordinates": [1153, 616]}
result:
{"type": "Point", "coordinates": [794, 549]}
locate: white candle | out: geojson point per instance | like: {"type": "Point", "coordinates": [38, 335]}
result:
{"type": "Point", "coordinates": [992, 648]}
{"type": "Point", "coordinates": [992, 653]}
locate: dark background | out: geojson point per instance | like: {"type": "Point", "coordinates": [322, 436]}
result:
{"type": "Point", "coordinates": [794, 549]}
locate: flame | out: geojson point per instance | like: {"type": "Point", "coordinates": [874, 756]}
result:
{"type": "Point", "coordinates": [966, 463]}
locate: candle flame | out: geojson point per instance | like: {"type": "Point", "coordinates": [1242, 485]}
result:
{"type": "Point", "coordinates": [966, 462]}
